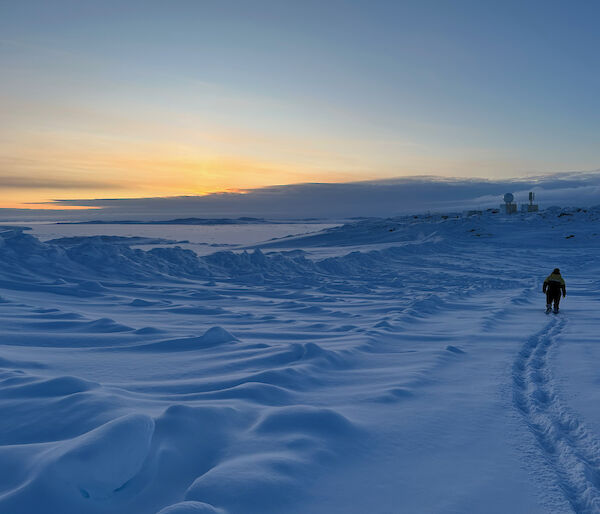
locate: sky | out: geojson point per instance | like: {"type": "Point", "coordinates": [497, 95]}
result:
{"type": "Point", "coordinates": [149, 99]}
{"type": "Point", "coordinates": [333, 201]}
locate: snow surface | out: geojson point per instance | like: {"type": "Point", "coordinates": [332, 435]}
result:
{"type": "Point", "coordinates": [202, 239]}
{"type": "Point", "coordinates": [398, 365]}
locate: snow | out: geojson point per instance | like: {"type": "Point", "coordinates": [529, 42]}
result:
{"type": "Point", "coordinates": [201, 239]}
{"type": "Point", "coordinates": [387, 365]}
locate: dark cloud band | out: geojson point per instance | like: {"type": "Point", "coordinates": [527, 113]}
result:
{"type": "Point", "coordinates": [343, 200]}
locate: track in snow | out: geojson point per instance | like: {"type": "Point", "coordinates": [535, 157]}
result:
{"type": "Point", "coordinates": [568, 447]}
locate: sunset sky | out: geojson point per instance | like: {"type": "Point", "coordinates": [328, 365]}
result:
{"type": "Point", "coordinates": [103, 99]}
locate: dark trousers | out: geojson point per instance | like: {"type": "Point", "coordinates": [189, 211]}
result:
{"type": "Point", "coordinates": [553, 297]}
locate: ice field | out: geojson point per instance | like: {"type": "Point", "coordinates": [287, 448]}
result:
{"type": "Point", "coordinates": [386, 366]}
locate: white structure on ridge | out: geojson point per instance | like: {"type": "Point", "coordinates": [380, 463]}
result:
{"type": "Point", "coordinates": [530, 207]}
{"type": "Point", "coordinates": [509, 206]}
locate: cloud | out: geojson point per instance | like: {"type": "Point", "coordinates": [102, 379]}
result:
{"type": "Point", "coordinates": [28, 182]}
{"type": "Point", "coordinates": [342, 200]}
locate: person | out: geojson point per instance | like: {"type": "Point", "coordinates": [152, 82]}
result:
{"type": "Point", "coordinates": [553, 286]}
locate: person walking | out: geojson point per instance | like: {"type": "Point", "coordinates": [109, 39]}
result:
{"type": "Point", "coordinates": [554, 285]}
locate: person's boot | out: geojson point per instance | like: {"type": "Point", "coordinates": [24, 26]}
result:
{"type": "Point", "coordinates": [548, 308]}
{"type": "Point", "coordinates": [556, 309]}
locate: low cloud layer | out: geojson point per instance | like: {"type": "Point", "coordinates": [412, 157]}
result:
{"type": "Point", "coordinates": [28, 182]}
{"type": "Point", "coordinates": [377, 198]}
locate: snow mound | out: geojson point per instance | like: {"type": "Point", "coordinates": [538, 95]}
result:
{"type": "Point", "coordinates": [217, 335]}
{"type": "Point", "coordinates": [306, 419]}
{"type": "Point", "coordinates": [91, 285]}
{"type": "Point", "coordinates": [197, 310]}
{"type": "Point", "coordinates": [92, 467]}
{"type": "Point", "coordinates": [59, 386]}
{"type": "Point", "coordinates": [247, 484]}
{"type": "Point", "coordinates": [394, 395]}
{"type": "Point", "coordinates": [144, 331]}
{"type": "Point", "coordinates": [191, 507]}
{"type": "Point", "coordinates": [214, 336]}
{"type": "Point", "coordinates": [68, 322]}
{"type": "Point", "coordinates": [106, 325]}
{"type": "Point", "coordinates": [142, 303]}
{"type": "Point", "coordinates": [102, 461]}
{"type": "Point", "coordinates": [256, 392]}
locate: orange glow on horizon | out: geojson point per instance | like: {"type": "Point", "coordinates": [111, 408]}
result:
{"type": "Point", "coordinates": [50, 207]}
{"type": "Point", "coordinates": [145, 160]}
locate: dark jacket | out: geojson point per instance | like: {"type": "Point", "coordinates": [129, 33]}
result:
{"type": "Point", "coordinates": [554, 283]}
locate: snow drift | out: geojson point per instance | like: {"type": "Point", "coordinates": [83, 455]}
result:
{"type": "Point", "coordinates": [376, 367]}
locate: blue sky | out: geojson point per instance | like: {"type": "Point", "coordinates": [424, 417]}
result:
{"type": "Point", "coordinates": [151, 98]}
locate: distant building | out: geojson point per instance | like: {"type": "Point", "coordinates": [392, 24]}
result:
{"type": "Point", "coordinates": [530, 207]}
{"type": "Point", "coordinates": [509, 207]}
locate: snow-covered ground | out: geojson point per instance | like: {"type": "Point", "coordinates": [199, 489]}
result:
{"type": "Point", "coordinates": [202, 239]}
{"type": "Point", "coordinates": [387, 366]}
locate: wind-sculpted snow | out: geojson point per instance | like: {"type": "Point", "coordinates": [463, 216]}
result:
{"type": "Point", "coordinates": [399, 365]}
{"type": "Point", "coordinates": [114, 260]}
{"type": "Point", "coordinates": [110, 260]}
